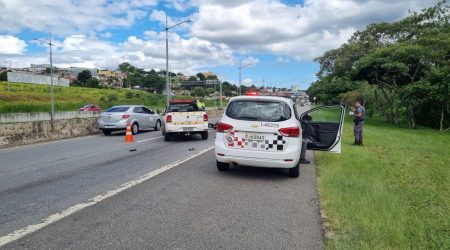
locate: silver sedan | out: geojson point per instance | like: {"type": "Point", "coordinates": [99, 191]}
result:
{"type": "Point", "coordinates": [140, 118]}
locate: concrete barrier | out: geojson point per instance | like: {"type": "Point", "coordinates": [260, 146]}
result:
{"type": "Point", "coordinates": [22, 133]}
{"type": "Point", "coordinates": [45, 116]}
{"type": "Point", "coordinates": [215, 113]}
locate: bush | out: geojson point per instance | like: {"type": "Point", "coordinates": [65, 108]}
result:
{"type": "Point", "coordinates": [129, 95]}
{"type": "Point", "coordinates": [112, 98]}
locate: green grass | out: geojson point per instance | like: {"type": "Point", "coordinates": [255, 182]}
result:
{"type": "Point", "coordinates": [392, 193]}
{"type": "Point", "coordinates": [332, 114]}
{"type": "Point", "coordinates": [22, 97]}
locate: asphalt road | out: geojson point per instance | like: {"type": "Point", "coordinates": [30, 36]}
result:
{"type": "Point", "coordinates": [190, 206]}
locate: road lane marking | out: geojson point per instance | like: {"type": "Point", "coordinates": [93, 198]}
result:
{"type": "Point", "coordinates": [71, 210]}
{"type": "Point", "coordinates": [151, 139]}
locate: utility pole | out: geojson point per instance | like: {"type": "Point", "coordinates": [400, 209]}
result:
{"type": "Point", "coordinates": [220, 94]}
{"type": "Point", "coordinates": [264, 86]}
{"type": "Point", "coordinates": [49, 43]}
{"type": "Point", "coordinates": [167, 66]}
{"type": "Point", "coordinates": [10, 68]}
{"type": "Point", "coordinates": [51, 79]}
{"type": "Point", "coordinates": [240, 69]}
{"type": "Point", "coordinates": [168, 90]}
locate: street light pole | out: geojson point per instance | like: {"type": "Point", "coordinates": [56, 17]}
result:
{"type": "Point", "coordinates": [167, 58]}
{"type": "Point", "coordinates": [220, 94]}
{"type": "Point", "coordinates": [240, 69]}
{"type": "Point", "coordinates": [52, 117]}
{"type": "Point", "coordinates": [167, 66]}
{"type": "Point", "coordinates": [51, 78]}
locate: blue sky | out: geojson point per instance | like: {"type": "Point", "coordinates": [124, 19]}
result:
{"type": "Point", "coordinates": [279, 38]}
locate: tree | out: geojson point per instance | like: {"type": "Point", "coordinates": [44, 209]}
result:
{"type": "Point", "coordinates": [201, 76]}
{"type": "Point", "coordinates": [4, 75]}
{"type": "Point", "coordinates": [406, 63]}
{"type": "Point", "coordinates": [126, 67]}
{"type": "Point", "coordinates": [211, 77]}
{"type": "Point", "coordinates": [92, 83]}
{"type": "Point", "coordinates": [199, 92]}
{"type": "Point", "coordinates": [84, 76]}
{"type": "Point", "coordinates": [192, 79]}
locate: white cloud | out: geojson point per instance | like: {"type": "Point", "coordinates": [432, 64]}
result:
{"type": "Point", "coordinates": [221, 30]}
{"type": "Point", "coordinates": [247, 82]}
{"type": "Point", "coordinates": [11, 45]}
{"type": "Point", "coordinates": [179, 5]}
{"type": "Point", "coordinates": [281, 60]}
{"type": "Point", "coordinates": [299, 31]}
{"type": "Point", "coordinates": [67, 16]}
{"type": "Point", "coordinates": [250, 61]}
{"type": "Point", "coordinates": [186, 55]}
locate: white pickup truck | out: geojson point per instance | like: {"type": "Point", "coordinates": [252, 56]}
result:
{"type": "Point", "coordinates": [183, 117]}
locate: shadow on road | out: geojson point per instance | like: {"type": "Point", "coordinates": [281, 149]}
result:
{"type": "Point", "coordinates": [247, 172]}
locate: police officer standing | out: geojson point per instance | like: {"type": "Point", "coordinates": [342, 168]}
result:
{"type": "Point", "coordinates": [359, 115]}
{"type": "Point", "coordinates": [201, 104]}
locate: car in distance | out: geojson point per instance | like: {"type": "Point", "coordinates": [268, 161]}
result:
{"type": "Point", "coordinates": [183, 117]}
{"type": "Point", "coordinates": [140, 118]}
{"type": "Point", "coordinates": [266, 131]}
{"type": "Point", "coordinates": [90, 107]}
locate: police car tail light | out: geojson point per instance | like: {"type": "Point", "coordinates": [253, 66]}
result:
{"type": "Point", "coordinates": [223, 127]}
{"type": "Point", "coordinates": [169, 118]}
{"type": "Point", "coordinates": [205, 117]}
{"type": "Point", "coordinates": [290, 132]}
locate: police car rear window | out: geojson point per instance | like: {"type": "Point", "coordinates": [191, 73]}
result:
{"type": "Point", "coordinates": [268, 111]}
{"type": "Point", "coordinates": [182, 107]}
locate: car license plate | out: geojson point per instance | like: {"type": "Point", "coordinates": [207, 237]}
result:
{"type": "Point", "coordinates": [188, 129]}
{"type": "Point", "coordinates": [254, 136]}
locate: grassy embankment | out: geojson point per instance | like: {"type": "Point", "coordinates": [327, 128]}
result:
{"type": "Point", "coordinates": [392, 193]}
{"type": "Point", "coordinates": [22, 97]}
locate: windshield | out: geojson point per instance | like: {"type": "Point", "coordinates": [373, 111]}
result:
{"type": "Point", "coordinates": [270, 111]}
{"type": "Point", "coordinates": [117, 109]}
{"type": "Point", "coordinates": [182, 107]}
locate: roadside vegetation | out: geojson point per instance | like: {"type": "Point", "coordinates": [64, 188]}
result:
{"type": "Point", "coordinates": [392, 193]}
{"type": "Point", "coordinates": [400, 70]}
{"type": "Point", "coordinates": [23, 97]}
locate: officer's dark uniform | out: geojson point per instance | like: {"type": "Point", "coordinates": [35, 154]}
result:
{"type": "Point", "coordinates": [359, 125]}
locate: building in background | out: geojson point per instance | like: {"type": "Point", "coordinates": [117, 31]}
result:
{"type": "Point", "coordinates": [39, 68]}
{"type": "Point", "coordinates": [27, 77]}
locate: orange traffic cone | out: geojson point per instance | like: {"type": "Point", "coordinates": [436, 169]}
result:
{"type": "Point", "coordinates": [129, 134]}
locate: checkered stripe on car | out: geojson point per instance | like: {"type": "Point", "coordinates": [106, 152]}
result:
{"type": "Point", "coordinates": [278, 144]}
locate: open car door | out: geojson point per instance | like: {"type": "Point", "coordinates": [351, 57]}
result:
{"type": "Point", "coordinates": [322, 128]}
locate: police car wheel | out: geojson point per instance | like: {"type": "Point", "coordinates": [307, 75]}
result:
{"type": "Point", "coordinates": [167, 137]}
{"type": "Point", "coordinates": [222, 166]}
{"type": "Point", "coordinates": [205, 136]}
{"type": "Point", "coordinates": [295, 171]}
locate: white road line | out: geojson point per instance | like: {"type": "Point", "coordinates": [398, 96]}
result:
{"type": "Point", "coordinates": [151, 139]}
{"type": "Point", "coordinates": [71, 210]}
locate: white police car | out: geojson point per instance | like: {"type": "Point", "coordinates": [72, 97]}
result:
{"type": "Point", "coordinates": [266, 131]}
